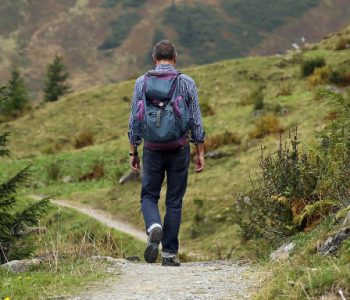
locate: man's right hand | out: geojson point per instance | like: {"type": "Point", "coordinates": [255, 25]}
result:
{"type": "Point", "coordinates": [135, 163]}
{"type": "Point", "coordinates": [199, 162]}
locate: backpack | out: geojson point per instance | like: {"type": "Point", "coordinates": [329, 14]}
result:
{"type": "Point", "coordinates": [163, 112]}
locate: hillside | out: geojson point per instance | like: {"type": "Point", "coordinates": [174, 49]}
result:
{"type": "Point", "coordinates": [46, 138]}
{"type": "Point", "coordinates": [106, 41]}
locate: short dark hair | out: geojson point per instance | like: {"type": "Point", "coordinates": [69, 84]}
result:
{"type": "Point", "coordinates": [164, 50]}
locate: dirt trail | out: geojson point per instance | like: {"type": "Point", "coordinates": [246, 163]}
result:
{"type": "Point", "coordinates": [200, 280]}
{"type": "Point", "coordinates": [197, 280]}
{"type": "Point", "coordinates": [101, 216]}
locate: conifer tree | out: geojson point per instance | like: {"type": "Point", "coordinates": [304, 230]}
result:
{"type": "Point", "coordinates": [18, 98]}
{"type": "Point", "coordinates": [14, 224]}
{"type": "Point", "coordinates": [55, 82]}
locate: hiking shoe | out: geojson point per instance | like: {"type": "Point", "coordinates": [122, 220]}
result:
{"type": "Point", "coordinates": [170, 262]}
{"type": "Point", "coordinates": [151, 252]}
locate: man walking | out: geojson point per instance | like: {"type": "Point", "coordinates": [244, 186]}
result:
{"type": "Point", "coordinates": [165, 113]}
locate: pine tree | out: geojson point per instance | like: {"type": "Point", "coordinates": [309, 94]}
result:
{"type": "Point", "coordinates": [18, 98]}
{"type": "Point", "coordinates": [14, 224]}
{"type": "Point", "coordinates": [55, 82]}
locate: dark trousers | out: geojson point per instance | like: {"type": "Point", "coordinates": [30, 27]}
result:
{"type": "Point", "coordinates": [155, 165]}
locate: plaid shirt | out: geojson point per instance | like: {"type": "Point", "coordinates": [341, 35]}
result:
{"type": "Point", "coordinates": [188, 88]}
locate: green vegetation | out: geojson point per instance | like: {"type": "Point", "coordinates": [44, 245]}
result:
{"type": "Point", "coordinates": [71, 239]}
{"type": "Point", "coordinates": [125, 3]}
{"type": "Point", "coordinates": [18, 99]}
{"type": "Point", "coordinates": [120, 30]}
{"type": "Point", "coordinates": [208, 34]}
{"type": "Point", "coordinates": [255, 15]}
{"type": "Point", "coordinates": [55, 84]}
{"type": "Point", "coordinates": [14, 223]}
{"type": "Point", "coordinates": [309, 66]}
{"type": "Point", "coordinates": [299, 189]}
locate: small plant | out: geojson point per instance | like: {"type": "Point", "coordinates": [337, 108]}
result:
{"type": "Point", "coordinates": [83, 139]}
{"type": "Point", "coordinates": [54, 170]}
{"type": "Point", "coordinates": [319, 76]}
{"type": "Point", "coordinates": [342, 44]}
{"type": "Point", "coordinates": [308, 66]}
{"type": "Point", "coordinates": [207, 109]}
{"type": "Point", "coordinates": [266, 125]}
{"type": "Point", "coordinates": [226, 138]}
{"type": "Point", "coordinates": [341, 76]}
{"type": "Point", "coordinates": [97, 172]}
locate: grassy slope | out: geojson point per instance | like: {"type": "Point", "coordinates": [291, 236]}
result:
{"type": "Point", "coordinates": [71, 239]}
{"type": "Point", "coordinates": [104, 111]}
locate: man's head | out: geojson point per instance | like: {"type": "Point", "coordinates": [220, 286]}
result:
{"type": "Point", "coordinates": [164, 52]}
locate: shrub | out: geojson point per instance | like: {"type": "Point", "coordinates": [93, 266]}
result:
{"type": "Point", "coordinates": [83, 139]}
{"type": "Point", "coordinates": [308, 66]}
{"type": "Point", "coordinates": [54, 170]}
{"type": "Point", "coordinates": [342, 44]}
{"type": "Point", "coordinates": [266, 125]}
{"type": "Point", "coordinates": [320, 76]}
{"type": "Point", "coordinates": [341, 76]}
{"type": "Point", "coordinates": [120, 30]}
{"type": "Point", "coordinates": [286, 186]}
{"type": "Point", "coordinates": [226, 138]}
{"type": "Point", "coordinates": [207, 109]}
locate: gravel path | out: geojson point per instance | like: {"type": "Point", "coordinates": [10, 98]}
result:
{"type": "Point", "coordinates": [101, 216]}
{"type": "Point", "coordinates": [200, 280]}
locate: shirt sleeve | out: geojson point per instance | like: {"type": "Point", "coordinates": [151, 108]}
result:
{"type": "Point", "coordinates": [134, 133]}
{"type": "Point", "coordinates": [196, 125]}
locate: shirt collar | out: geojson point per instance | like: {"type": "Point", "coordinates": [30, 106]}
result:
{"type": "Point", "coordinates": [165, 67]}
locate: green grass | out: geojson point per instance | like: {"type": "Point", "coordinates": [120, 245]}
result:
{"type": "Point", "coordinates": [70, 240]}
{"type": "Point", "coordinates": [308, 275]}
{"type": "Point", "coordinates": [104, 111]}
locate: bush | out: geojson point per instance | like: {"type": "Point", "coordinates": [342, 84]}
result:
{"type": "Point", "coordinates": [286, 186]}
{"type": "Point", "coordinates": [54, 170]}
{"type": "Point", "coordinates": [120, 30]}
{"type": "Point", "coordinates": [83, 139]}
{"type": "Point", "coordinates": [266, 125]}
{"type": "Point", "coordinates": [308, 66]}
{"type": "Point", "coordinates": [207, 109]}
{"type": "Point", "coordinates": [341, 76]}
{"type": "Point", "coordinates": [296, 190]}
{"type": "Point", "coordinates": [320, 76]}
{"type": "Point", "coordinates": [226, 138]}
{"type": "Point", "coordinates": [342, 44]}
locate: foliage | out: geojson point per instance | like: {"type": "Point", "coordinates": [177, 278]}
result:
{"type": "Point", "coordinates": [268, 124]}
{"type": "Point", "coordinates": [55, 80]}
{"type": "Point", "coordinates": [83, 139]}
{"type": "Point", "coordinates": [340, 76]}
{"type": "Point", "coordinates": [125, 3]}
{"type": "Point", "coordinates": [286, 177]}
{"type": "Point", "coordinates": [308, 66]}
{"type": "Point", "coordinates": [12, 224]}
{"type": "Point", "coordinates": [320, 76]}
{"type": "Point", "coordinates": [342, 44]}
{"type": "Point", "coordinates": [296, 190]}
{"type": "Point", "coordinates": [218, 140]}
{"type": "Point", "coordinates": [120, 30]}
{"type": "Point", "coordinates": [265, 15]}
{"type": "Point", "coordinates": [18, 99]}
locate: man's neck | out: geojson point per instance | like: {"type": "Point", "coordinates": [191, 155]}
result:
{"type": "Point", "coordinates": [165, 62]}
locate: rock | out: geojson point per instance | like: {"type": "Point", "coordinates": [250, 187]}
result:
{"type": "Point", "coordinates": [21, 265]}
{"type": "Point", "coordinates": [332, 244]}
{"type": "Point", "coordinates": [216, 154]}
{"type": "Point", "coordinates": [131, 176]}
{"type": "Point", "coordinates": [67, 179]}
{"type": "Point", "coordinates": [133, 258]}
{"type": "Point", "coordinates": [257, 113]}
{"type": "Point", "coordinates": [282, 253]}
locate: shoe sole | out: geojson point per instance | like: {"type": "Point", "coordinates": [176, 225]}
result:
{"type": "Point", "coordinates": [151, 252]}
